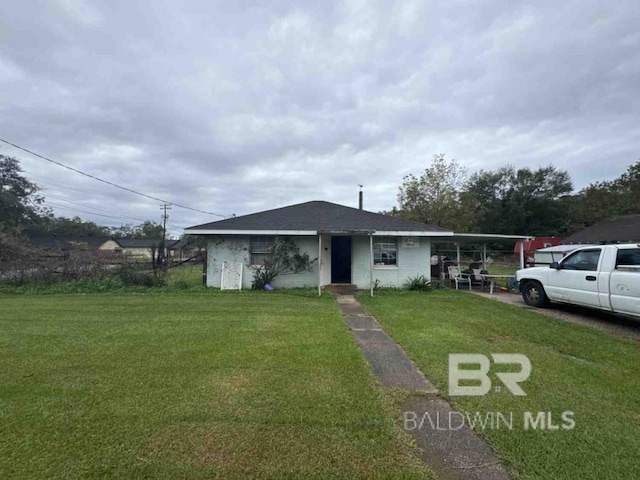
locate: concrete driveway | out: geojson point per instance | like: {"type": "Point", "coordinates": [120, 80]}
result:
{"type": "Point", "coordinates": [623, 326]}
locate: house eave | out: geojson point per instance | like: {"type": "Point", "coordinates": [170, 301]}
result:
{"type": "Point", "coordinates": [385, 233]}
{"type": "Point", "coordinates": [251, 232]}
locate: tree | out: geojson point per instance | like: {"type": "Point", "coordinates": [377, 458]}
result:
{"type": "Point", "coordinates": [73, 226]}
{"type": "Point", "coordinates": [20, 203]}
{"type": "Point", "coordinates": [148, 229]}
{"type": "Point", "coordinates": [523, 201]}
{"type": "Point", "coordinates": [435, 197]}
{"type": "Point", "coordinates": [601, 200]}
{"type": "Point", "coordinates": [627, 188]}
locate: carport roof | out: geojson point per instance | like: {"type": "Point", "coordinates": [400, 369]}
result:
{"type": "Point", "coordinates": [480, 238]}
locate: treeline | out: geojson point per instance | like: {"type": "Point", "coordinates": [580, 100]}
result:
{"type": "Point", "coordinates": [513, 200]}
{"type": "Point", "coordinates": [62, 226]}
{"type": "Point", "coordinates": [23, 211]}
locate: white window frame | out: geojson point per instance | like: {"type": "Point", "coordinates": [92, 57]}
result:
{"type": "Point", "coordinates": [260, 245]}
{"type": "Point", "coordinates": [377, 242]}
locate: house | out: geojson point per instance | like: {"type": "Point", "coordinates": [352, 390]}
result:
{"type": "Point", "coordinates": [184, 249]}
{"type": "Point", "coordinates": [133, 248]}
{"type": "Point", "coordinates": [67, 242]}
{"type": "Point", "coordinates": [351, 246]}
{"type": "Point", "coordinates": [622, 229]}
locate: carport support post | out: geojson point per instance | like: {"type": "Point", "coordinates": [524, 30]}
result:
{"type": "Point", "coordinates": [521, 254]}
{"type": "Point", "coordinates": [319, 264]}
{"type": "Point", "coordinates": [484, 256]}
{"type": "Point", "coordinates": [371, 263]}
{"type": "Point", "coordinates": [458, 252]}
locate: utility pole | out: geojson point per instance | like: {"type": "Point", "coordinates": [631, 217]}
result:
{"type": "Point", "coordinates": [162, 251]}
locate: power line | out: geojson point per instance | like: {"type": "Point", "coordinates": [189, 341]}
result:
{"type": "Point", "coordinates": [84, 205]}
{"type": "Point", "coordinates": [64, 207]}
{"type": "Point", "coordinates": [107, 181]}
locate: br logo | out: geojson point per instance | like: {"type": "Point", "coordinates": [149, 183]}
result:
{"type": "Point", "coordinates": [509, 379]}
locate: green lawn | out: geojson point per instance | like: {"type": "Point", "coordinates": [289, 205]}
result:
{"type": "Point", "coordinates": [575, 368]}
{"type": "Point", "coordinates": [190, 385]}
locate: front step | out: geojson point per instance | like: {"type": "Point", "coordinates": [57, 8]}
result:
{"type": "Point", "coordinates": [341, 288]}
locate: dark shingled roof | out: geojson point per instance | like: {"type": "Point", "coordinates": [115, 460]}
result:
{"type": "Point", "coordinates": [624, 229]}
{"type": "Point", "coordinates": [318, 216]}
{"type": "Point", "coordinates": [142, 242]}
{"type": "Point", "coordinates": [67, 242]}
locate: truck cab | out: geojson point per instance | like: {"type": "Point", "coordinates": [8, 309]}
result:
{"type": "Point", "coordinates": [605, 277]}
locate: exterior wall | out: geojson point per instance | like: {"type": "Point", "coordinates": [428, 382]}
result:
{"type": "Point", "coordinates": [411, 262]}
{"type": "Point", "coordinates": [132, 253]}
{"type": "Point", "coordinates": [137, 253]}
{"type": "Point", "coordinates": [109, 245]}
{"type": "Point", "coordinates": [227, 248]}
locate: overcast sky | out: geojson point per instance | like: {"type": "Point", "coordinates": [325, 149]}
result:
{"type": "Point", "coordinates": [236, 107]}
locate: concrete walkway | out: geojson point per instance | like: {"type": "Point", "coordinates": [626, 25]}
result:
{"type": "Point", "coordinates": [451, 453]}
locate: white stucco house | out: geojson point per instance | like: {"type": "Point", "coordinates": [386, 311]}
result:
{"type": "Point", "coordinates": [352, 246]}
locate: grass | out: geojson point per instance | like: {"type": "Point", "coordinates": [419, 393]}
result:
{"type": "Point", "coordinates": [503, 269]}
{"type": "Point", "coordinates": [187, 275]}
{"type": "Point", "coordinates": [190, 385]}
{"type": "Point", "coordinates": [575, 368]}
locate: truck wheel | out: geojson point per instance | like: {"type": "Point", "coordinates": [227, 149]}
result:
{"type": "Point", "coordinates": [534, 295]}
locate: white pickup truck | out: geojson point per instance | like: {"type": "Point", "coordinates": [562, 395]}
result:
{"type": "Point", "coordinates": [606, 277]}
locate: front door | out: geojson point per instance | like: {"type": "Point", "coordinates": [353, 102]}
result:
{"type": "Point", "coordinates": [340, 259]}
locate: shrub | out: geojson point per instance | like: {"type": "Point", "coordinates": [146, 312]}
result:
{"type": "Point", "coordinates": [262, 275]}
{"type": "Point", "coordinates": [181, 285]}
{"type": "Point", "coordinates": [134, 277]}
{"type": "Point", "coordinates": [419, 283]}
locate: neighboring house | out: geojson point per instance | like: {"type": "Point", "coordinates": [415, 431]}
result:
{"type": "Point", "coordinates": [134, 248]}
{"type": "Point", "coordinates": [184, 249]}
{"type": "Point", "coordinates": [351, 246]}
{"type": "Point", "coordinates": [623, 229]}
{"type": "Point", "coordinates": [67, 242]}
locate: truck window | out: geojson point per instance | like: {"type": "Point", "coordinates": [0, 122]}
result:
{"type": "Point", "coordinates": [628, 257]}
{"type": "Point", "coordinates": [586, 260]}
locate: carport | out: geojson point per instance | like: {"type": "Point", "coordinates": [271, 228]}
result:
{"type": "Point", "coordinates": [477, 240]}
{"type": "Point", "coordinates": [460, 239]}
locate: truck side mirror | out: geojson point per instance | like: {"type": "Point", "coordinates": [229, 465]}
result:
{"type": "Point", "coordinates": [555, 266]}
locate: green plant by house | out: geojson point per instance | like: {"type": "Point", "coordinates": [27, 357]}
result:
{"type": "Point", "coordinates": [285, 259]}
{"type": "Point", "coordinates": [419, 283]}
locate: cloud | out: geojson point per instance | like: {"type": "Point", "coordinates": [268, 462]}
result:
{"type": "Point", "coordinates": [242, 106]}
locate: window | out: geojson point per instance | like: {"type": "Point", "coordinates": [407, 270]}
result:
{"type": "Point", "coordinates": [384, 251]}
{"type": "Point", "coordinates": [628, 257]}
{"type": "Point", "coordinates": [584, 260]}
{"type": "Point", "coordinates": [261, 246]}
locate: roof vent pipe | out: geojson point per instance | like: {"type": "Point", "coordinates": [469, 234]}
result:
{"type": "Point", "coordinates": [360, 198]}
